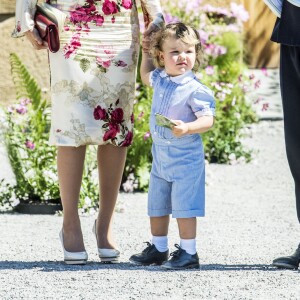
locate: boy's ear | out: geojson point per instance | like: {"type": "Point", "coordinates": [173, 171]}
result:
{"type": "Point", "coordinates": [161, 56]}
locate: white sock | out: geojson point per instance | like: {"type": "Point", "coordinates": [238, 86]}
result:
{"type": "Point", "coordinates": [160, 242]}
{"type": "Point", "coordinates": [188, 245]}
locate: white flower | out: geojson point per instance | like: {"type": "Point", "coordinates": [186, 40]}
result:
{"type": "Point", "coordinates": [48, 174]}
{"type": "Point", "coordinates": [87, 201]}
{"type": "Point", "coordinates": [30, 174]}
{"type": "Point", "coordinates": [232, 156]}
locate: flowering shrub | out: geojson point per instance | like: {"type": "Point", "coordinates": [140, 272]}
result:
{"type": "Point", "coordinates": [33, 161]}
{"type": "Point", "coordinates": [222, 70]}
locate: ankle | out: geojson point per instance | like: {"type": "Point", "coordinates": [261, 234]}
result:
{"type": "Point", "coordinates": [160, 243]}
{"type": "Point", "coordinates": [189, 245]}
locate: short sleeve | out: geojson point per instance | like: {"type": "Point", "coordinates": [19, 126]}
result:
{"type": "Point", "coordinates": [25, 10]}
{"type": "Point", "coordinates": [203, 102]}
{"type": "Point", "coordinates": [153, 76]}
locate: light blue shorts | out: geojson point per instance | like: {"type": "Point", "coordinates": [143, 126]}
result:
{"type": "Point", "coordinates": [177, 179]}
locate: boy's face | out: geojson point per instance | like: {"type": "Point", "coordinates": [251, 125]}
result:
{"type": "Point", "coordinates": [177, 56]}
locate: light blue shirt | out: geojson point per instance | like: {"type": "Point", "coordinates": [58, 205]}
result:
{"type": "Point", "coordinates": [276, 5]}
{"type": "Point", "coordinates": [181, 97]}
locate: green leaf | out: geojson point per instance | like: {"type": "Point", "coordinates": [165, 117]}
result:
{"type": "Point", "coordinates": [84, 64]}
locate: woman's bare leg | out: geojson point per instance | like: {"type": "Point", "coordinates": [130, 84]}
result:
{"type": "Point", "coordinates": [70, 161]}
{"type": "Point", "coordinates": [111, 162]}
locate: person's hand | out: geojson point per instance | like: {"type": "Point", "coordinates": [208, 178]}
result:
{"type": "Point", "coordinates": [146, 43]}
{"type": "Point", "coordinates": [35, 39]}
{"type": "Point", "coordinates": [151, 28]}
{"type": "Point", "coordinates": [146, 36]}
{"type": "Point", "coordinates": [180, 129]}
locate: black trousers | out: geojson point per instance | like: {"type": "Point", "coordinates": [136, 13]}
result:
{"type": "Point", "coordinates": [290, 93]}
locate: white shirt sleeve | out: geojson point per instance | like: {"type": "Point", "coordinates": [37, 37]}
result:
{"type": "Point", "coordinates": [25, 10]}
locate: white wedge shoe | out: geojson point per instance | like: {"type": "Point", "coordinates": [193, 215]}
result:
{"type": "Point", "coordinates": [106, 255]}
{"type": "Point", "coordinates": [73, 258]}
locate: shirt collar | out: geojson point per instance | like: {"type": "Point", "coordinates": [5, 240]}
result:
{"type": "Point", "coordinates": [180, 79]}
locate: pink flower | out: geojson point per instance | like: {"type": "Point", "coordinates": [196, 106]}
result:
{"type": "Point", "coordinates": [257, 84]}
{"type": "Point", "coordinates": [21, 109]}
{"type": "Point", "coordinates": [251, 76]}
{"type": "Point", "coordinates": [203, 36]}
{"type": "Point", "coordinates": [221, 96]}
{"type": "Point", "coordinates": [128, 139]}
{"type": "Point", "coordinates": [113, 19]}
{"type": "Point", "coordinates": [11, 109]}
{"type": "Point", "coordinates": [147, 135]}
{"type": "Point", "coordinates": [127, 4]}
{"type": "Point", "coordinates": [73, 46]}
{"type": "Point", "coordinates": [210, 70]}
{"type": "Point", "coordinates": [264, 71]}
{"type": "Point", "coordinates": [25, 101]}
{"type": "Point", "coordinates": [170, 19]}
{"type": "Point", "coordinates": [30, 145]}
{"type": "Point", "coordinates": [105, 64]}
{"type": "Point", "coordinates": [215, 50]}
{"type": "Point", "coordinates": [99, 20]}
{"type": "Point", "coordinates": [140, 116]}
{"type": "Point", "coordinates": [112, 132]}
{"type": "Point", "coordinates": [265, 106]}
{"type": "Point", "coordinates": [109, 53]}
{"type": "Point", "coordinates": [109, 7]}
{"type": "Point", "coordinates": [117, 115]}
{"type": "Point", "coordinates": [99, 113]}
{"type": "Point", "coordinates": [239, 12]}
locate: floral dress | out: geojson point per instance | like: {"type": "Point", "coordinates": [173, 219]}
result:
{"type": "Point", "coordinates": [93, 74]}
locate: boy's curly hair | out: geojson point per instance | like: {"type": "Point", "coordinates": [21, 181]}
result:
{"type": "Point", "coordinates": [186, 34]}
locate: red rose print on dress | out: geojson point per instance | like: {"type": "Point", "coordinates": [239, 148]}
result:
{"type": "Point", "coordinates": [106, 58]}
{"type": "Point", "coordinates": [19, 26]}
{"type": "Point", "coordinates": [128, 139]}
{"type": "Point", "coordinates": [112, 132]}
{"type": "Point", "coordinates": [72, 46]}
{"type": "Point", "coordinates": [117, 116]}
{"type": "Point", "coordinates": [113, 125]}
{"type": "Point", "coordinates": [99, 113]}
{"type": "Point", "coordinates": [127, 4]}
{"type": "Point", "coordinates": [79, 21]}
{"type": "Point", "coordinates": [109, 7]}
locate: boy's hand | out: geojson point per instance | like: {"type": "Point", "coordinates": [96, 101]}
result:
{"type": "Point", "coordinates": [180, 129]}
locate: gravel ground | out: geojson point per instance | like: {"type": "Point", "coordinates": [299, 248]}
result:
{"type": "Point", "coordinates": [250, 219]}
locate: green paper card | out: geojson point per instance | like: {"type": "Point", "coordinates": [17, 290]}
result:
{"type": "Point", "coordinates": [163, 121]}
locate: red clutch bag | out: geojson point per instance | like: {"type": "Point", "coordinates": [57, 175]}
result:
{"type": "Point", "coordinates": [48, 29]}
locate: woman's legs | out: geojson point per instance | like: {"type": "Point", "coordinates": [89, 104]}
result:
{"type": "Point", "coordinates": [70, 161]}
{"type": "Point", "coordinates": [111, 162]}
